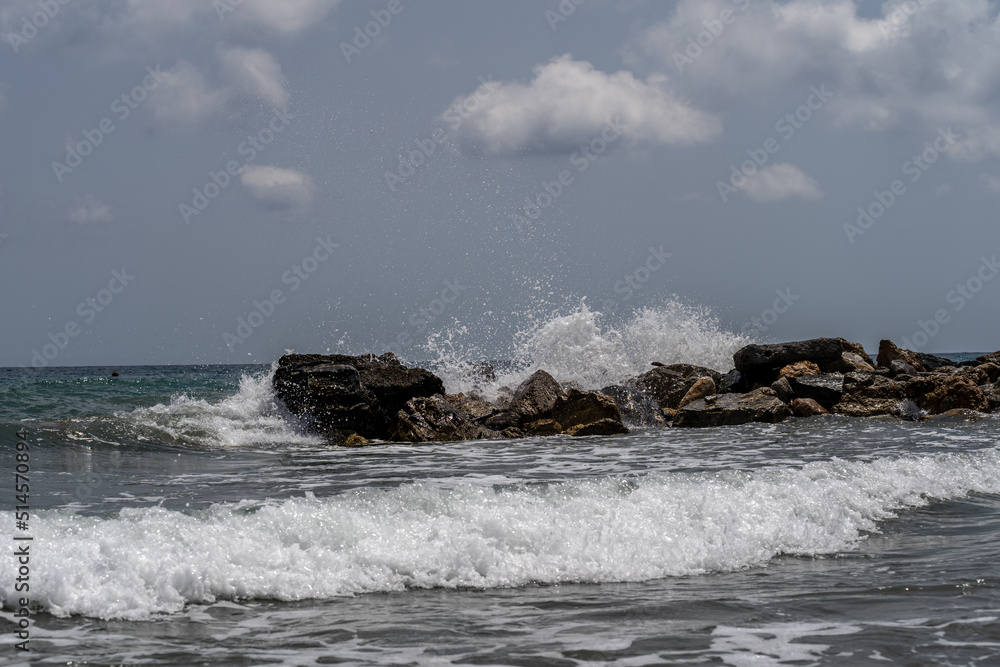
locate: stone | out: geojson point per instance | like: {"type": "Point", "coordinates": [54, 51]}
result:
{"type": "Point", "coordinates": [849, 361]}
{"type": "Point", "coordinates": [976, 374]}
{"type": "Point", "coordinates": [991, 369]}
{"type": "Point", "coordinates": [869, 395]}
{"type": "Point", "coordinates": [989, 358]}
{"type": "Point", "coordinates": [577, 408]}
{"type": "Point", "coordinates": [602, 427]}
{"type": "Point", "coordinates": [933, 363]}
{"type": "Point", "coordinates": [760, 363]}
{"type": "Point", "coordinates": [807, 407]}
{"type": "Point", "coordinates": [535, 397]}
{"type": "Point", "coordinates": [798, 369]}
{"type": "Point", "coordinates": [433, 419]}
{"type": "Point", "coordinates": [759, 405]}
{"type": "Point", "coordinates": [355, 440]}
{"type": "Point", "coordinates": [889, 352]}
{"type": "Point", "coordinates": [704, 386]}
{"type": "Point", "coordinates": [898, 368]}
{"type": "Point", "coordinates": [940, 393]}
{"type": "Point", "coordinates": [543, 427]}
{"type": "Point", "coordinates": [733, 381]}
{"type": "Point", "coordinates": [992, 394]}
{"type": "Point", "coordinates": [858, 350]}
{"type": "Point", "coordinates": [636, 408]}
{"type": "Point", "coordinates": [668, 384]}
{"type": "Point", "coordinates": [825, 389]}
{"type": "Point", "coordinates": [957, 414]}
{"type": "Point", "coordinates": [783, 389]}
{"type": "Point", "coordinates": [472, 404]}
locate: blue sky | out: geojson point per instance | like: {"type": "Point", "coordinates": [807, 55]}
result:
{"type": "Point", "coordinates": [323, 174]}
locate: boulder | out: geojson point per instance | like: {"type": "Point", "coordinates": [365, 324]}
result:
{"type": "Point", "coordinates": [798, 369]}
{"type": "Point", "coordinates": [868, 395]}
{"type": "Point", "coordinates": [991, 369]}
{"type": "Point", "coordinates": [702, 387]}
{"type": "Point", "coordinates": [940, 393]}
{"type": "Point", "coordinates": [825, 389]}
{"type": "Point", "coordinates": [977, 374]}
{"type": "Point", "coordinates": [899, 368]}
{"type": "Point", "coordinates": [543, 427]}
{"type": "Point", "coordinates": [992, 394]}
{"type": "Point", "coordinates": [858, 350]}
{"type": "Point", "coordinates": [328, 394]}
{"type": "Point", "coordinates": [889, 352]}
{"type": "Point", "coordinates": [783, 389]}
{"type": "Point", "coordinates": [635, 407]}
{"type": "Point", "coordinates": [667, 385]}
{"type": "Point", "coordinates": [472, 404]}
{"type": "Point", "coordinates": [848, 362]}
{"type": "Point", "coordinates": [807, 407]}
{"type": "Point", "coordinates": [733, 381]}
{"type": "Point", "coordinates": [434, 419]}
{"type": "Point", "coordinates": [579, 408]}
{"type": "Point", "coordinates": [989, 358]}
{"type": "Point", "coordinates": [760, 405]}
{"type": "Point", "coordinates": [933, 363]}
{"type": "Point", "coordinates": [355, 440]}
{"type": "Point", "coordinates": [760, 364]}
{"type": "Point", "coordinates": [602, 427]}
{"type": "Point", "coordinates": [532, 400]}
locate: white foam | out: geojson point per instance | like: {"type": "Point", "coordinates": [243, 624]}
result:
{"type": "Point", "coordinates": [252, 416]}
{"type": "Point", "coordinates": [142, 562]}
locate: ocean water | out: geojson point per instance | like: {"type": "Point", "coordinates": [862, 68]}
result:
{"type": "Point", "coordinates": [180, 516]}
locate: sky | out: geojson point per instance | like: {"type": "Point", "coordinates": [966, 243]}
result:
{"type": "Point", "coordinates": [193, 182]}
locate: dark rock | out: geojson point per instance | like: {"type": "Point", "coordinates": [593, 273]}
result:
{"type": "Point", "coordinates": [956, 415]}
{"type": "Point", "coordinates": [857, 349]}
{"type": "Point", "coordinates": [734, 382]}
{"type": "Point", "coordinates": [899, 367]}
{"type": "Point", "coordinates": [933, 363]}
{"type": "Point", "coordinates": [355, 440]}
{"type": "Point", "coordinates": [702, 387]}
{"type": "Point", "coordinates": [760, 405]}
{"type": "Point", "coordinates": [635, 407]}
{"type": "Point", "coordinates": [579, 408]}
{"type": "Point", "coordinates": [869, 394]}
{"type": "Point", "coordinates": [889, 352]}
{"type": "Point", "coordinates": [543, 427]}
{"type": "Point", "coordinates": [535, 397]}
{"type": "Point", "coordinates": [910, 411]}
{"type": "Point", "coordinates": [434, 419]}
{"type": "Point", "coordinates": [668, 384]}
{"type": "Point", "coordinates": [849, 362]}
{"type": "Point", "coordinates": [977, 374]}
{"type": "Point", "coordinates": [991, 369]}
{"type": "Point", "coordinates": [760, 363]}
{"type": "Point", "coordinates": [602, 427]}
{"type": "Point", "coordinates": [472, 404]}
{"type": "Point", "coordinates": [807, 407]}
{"type": "Point", "coordinates": [992, 394]}
{"type": "Point", "coordinates": [941, 393]}
{"type": "Point", "coordinates": [993, 358]}
{"type": "Point", "coordinates": [783, 389]}
{"type": "Point", "coordinates": [824, 389]}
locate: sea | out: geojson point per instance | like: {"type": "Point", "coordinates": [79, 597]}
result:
{"type": "Point", "coordinates": [179, 515]}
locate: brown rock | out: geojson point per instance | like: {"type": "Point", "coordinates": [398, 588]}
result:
{"type": "Point", "coordinates": [543, 427]}
{"type": "Point", "coordinates": [798, 369]}
{"type": "Point", "coordinates": [989, 358]}
{"type": "Point", "coordinates": [859, 350]}
{"type": "Point", "coordinates": [807, 407]}
{"type": "Point", "coordinates": [602, 427]}
{"type": "Point", "coordinates": [849, 362]}
{"type": "Point", "coordinates": [355, 440]}
{"type": "Point", "coordinates": [667, 385]}
{"type": "Point", "coordinates": [889, 351]}
{"type": "Point", "coordinates": [991, 369]}
{"type": "Point", "coordinates": [941, 393]}
{"type": "Point", "coordinates": [472, 404]}
{"type": "Point", "coordinates": [869, 394]}
{"type": "Point", "coordinates": [434, 419]}
{"type": "Point", "coordinates": [783, 389]}
{"type": "Point", "coordinates": [577, 407]}
{"type": "Point", "coordinates": [957, 414]}
{"type": "Point", "coordinates": [535, 397]}
{"type": "Point", "coordinates": [700, 389]}
{"type": "Point", "coordinates": [992, 393]}
{"type": "Point", "coordinates": [760, 405]}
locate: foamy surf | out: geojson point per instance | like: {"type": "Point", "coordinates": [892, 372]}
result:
{"type": "Point", "coordinates": [144, 562]}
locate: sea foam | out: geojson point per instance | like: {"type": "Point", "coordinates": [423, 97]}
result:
{"type": "Point", "coordinates": [142, 562]}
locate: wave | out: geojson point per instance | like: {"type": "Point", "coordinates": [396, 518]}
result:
{"type": "Point", "coordinates": [145, 562]}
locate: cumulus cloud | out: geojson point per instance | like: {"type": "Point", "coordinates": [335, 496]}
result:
{"type": "Point", "coordinates": [87, 210]}
{"type": "Point", "coordinates": [255, 73]}
{"type": "Point", "coordinates": [781, 181]}
{"type": "Point", "coordinates": [184, 95]}
{"type": "Point", "coordinates": [923, 65]}
{"type": "Point", "coordinates": [277, 188]}
{"type": "Point", "coordinates": [569, 103]}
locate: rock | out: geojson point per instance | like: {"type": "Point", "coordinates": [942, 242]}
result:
{"type": "Point", "coordinates": [868, 395]}
{"type": "Point", "coordinates": [991, 369]}
{"type": "Point", "coordinates": [602, 427]}
{"type": "Point", "coordinates": [958, 414]}
{"type": "Point", "coordinates": [933, 363]}
{"type": "Point", "coordinates": [993, 358]}
{"type": "Point", "coordinates": [472, 404]}
{"type": "Point", "coordinates": [976, 374]}
{"type": "Point", "coordinates": [532, 400]}
{"type": "Point", "coordinates": [889, 352]}
{"type": "Point", "coordinates": [543, 427]}
{"type": "Point", "coordinates": [512, 433]}
{"type": "Point", "coordinates": [898, 368]}
{"type": "Point", "coordinates": [355, 440]}
{"type": "Point", "coordinates": [992, 394]}
{"type": "Point", "coordinates": [635, 407]}
{"type": "Point", "coordinates": [824, 389]}
{"type": "Point", "coordinates": [941, 393]}
{"type": "Point", "coordinates": [798, 369]}
{"type": "Point", "coordinates": [732, 381]}
{"type": "Point", "coordinates": [858, 350]}
{"type": "Point", "coordinates": [910, 411]}
{"type": "Point", "coordinates": [760, 364]}
{"type": "Point", "coordinates": [668, 384]}
{"type": "Point", "coordinates": [849, 361]}
{"type": "Point", "coordinates": [760, 405]}
{"type": "Point", "coordinates": [578, 408]}
{"type": "Point", "coordinates": [783, 389]}
{"type": "Point", "coordinates": [434, 419]}
{"type": "Point", "coordinates": [702, 387]}
{"type": "Point", "coordinates": [807, 407]}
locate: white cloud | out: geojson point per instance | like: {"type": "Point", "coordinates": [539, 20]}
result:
{"type": "Point", "coordinates": [568, 103]}
{"type": "Point", "coordinates": [88, 210]}
{"type": "Point", "coordinates": [183, 95]}
{"type": "Point", "coordinates": [781, 181]}
{"type": "Point", "coordinates": [277, 188]}
{"type": "Point", "coordinates": [255, 72]}
{"type": "Point", "coordinates": [286, 16]}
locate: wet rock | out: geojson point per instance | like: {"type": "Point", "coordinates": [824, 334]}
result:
{"type": "Point", "coordinates": [824, 389]}
{"type": "Point", "coordinates": [798, 369]}
{"type": "Point", "coordinates": [898, 368]}
{"type": "Point", "coordinates": [733, 381]}
{"type": "Point", "coordinates": [992, 394]}
{"type": "Point", "coordinates": [602, 427]}
{"type": "Point", "coordinates": [910, 411]}
{"type": "Point", "coordinates": [858, 350]}
{"type": "Point", "coordinates": [933, 363]}
{"type": "Point", "coordinates": [472, 404]}
{"type": "Point", "coordinates": [868, 395]}
{"type": "Point", "coordinates": [849, 362]}
{"type": "Point", "coordinates": [991, 369]}
{"type": "Point", "coordinates": [940, 393]}
{"type": "Point", "coordinates": [702, 387]}
{"type": "Point", "coordinates": [993, 358]}
{"type": "Point", "coordinates": [889, 352]}
{"type": "Point", "coordinates": [355, 440]}
{"type": "Point", "coordinates": [668, 384]}
{"type": "Point", "coordinates": [543, 427]}
{"type": "Point", "coordinates": [532, 400]}
{"type": "Point", "coordinates": [434, 419]}
{"type": "Point", "coordinates": [579, 408]}
{"type": "Point", "coordinates": [956, 415]}
{"type": "Point", "coordinates": [760, 405]}
{"type": "Point", "coordinates": [783, 388]}
{"type": "Point", "coordinates": [636, 408]}
{"type": "Point", "coordinates": [807, 407]}
{"type": "Point", "coordinates": [760, 364]}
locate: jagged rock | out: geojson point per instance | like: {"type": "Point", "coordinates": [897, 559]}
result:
{"type": "Point", "coordinates": [733, 381]}
{"type": "Point", "coordinates": [868, 395]}
{"type": "Point", "coordinates": [849, 362]}
{"type": "Point", "coordinates": [760, 405]}
{"type": "Point", "coordinates": [601, 427]}
{"type": "Point", "coordinates": [668, 384]}
{"type": "Point", "coordinates": [976, 374]}
{"type": "Point", "coordinates": [824, 389]}
{"type": "Point", "coordinates": [889, 352]}
{"type": "Point", "coordinates": [940, 393]}
{"type": "Point", "coordinates": [783, 389]}
{"type": "Point", "coordinates": [434, 419]}
{"type": "Point", "coordinates": [799, 368]}
{"type": "Point", "coordinates": [991, 369]}
{"type": "Point", "coordinates": [957, 414]}
{"type": "Point", "coordinates": [910, 411]}
{"type": "Point", "coordinates": [760, 364]}
{"type": "Point", "coordinates": [933, 363]}
{"type": "Point", "coordinates": [807, 407]}
{"type": "Point", "coordinates": [702, 387]}
{"type": "Point", "coordinates": [543, 427]}
{"type": "Point", "coordinates": [993, 358]}
{"type": "Point", "coordinates": [472, 404]}
{"type": "Point", "coordinates": [577, 408]}
{"type": "Point", "coordinates": [899, 368]}
{"type": "Point", "coordinates": [635, 407]}
{"type": "Point", "coordinates": [992, 394]}
{"type": "Point", "coordinates": [532, 400]}
{"type": "Point", "coordinates": [355, 440]}
{"type": "Point", "coordinates": [512, 433]}
{"type": "Point", "coordinates": [858, 350]}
